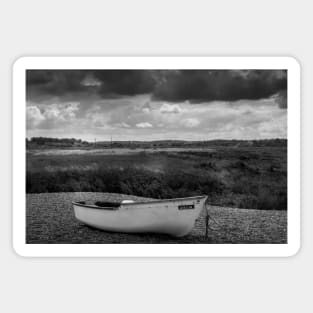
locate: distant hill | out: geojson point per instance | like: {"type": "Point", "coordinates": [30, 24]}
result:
{"type": "Point", "coordinates": [46, 142]}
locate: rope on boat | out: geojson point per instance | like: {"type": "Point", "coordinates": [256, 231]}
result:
{"type": "Point", "coordinates": [220, 226]}
{"type": "Point", "coordinates": [209, 217]}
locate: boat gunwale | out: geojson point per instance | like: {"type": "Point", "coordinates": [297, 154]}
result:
{"type": "Point", "coordinates": [135, 203]}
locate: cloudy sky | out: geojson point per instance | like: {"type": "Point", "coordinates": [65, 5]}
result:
{"type": "Point", "coordinates": [157, 104]}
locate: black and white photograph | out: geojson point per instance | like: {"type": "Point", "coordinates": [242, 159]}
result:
{"type": "Point", "coordinates": [135, 156]}
{"type": "Point", "coordinates": [156, 156]}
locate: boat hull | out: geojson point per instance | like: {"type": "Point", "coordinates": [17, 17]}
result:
{"type": "Point", "coordinates": [175, 217]}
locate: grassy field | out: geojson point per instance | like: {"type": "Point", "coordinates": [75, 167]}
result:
{"type": "Point", "coordinates": [50, 219]}
{"type": "Point", "coordinates": [241, 177]}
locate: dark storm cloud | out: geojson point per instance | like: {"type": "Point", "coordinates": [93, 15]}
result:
{"type": "Point", "coordinates": [126, 82]}
{"type": "Point", "coordinates": [55, 82]}
{"type": "Point", "coordinates": [281, 99]}
{"type": "Point", "coordinates": [195, 86]}
{"type": "Point", "coordinates": [224, 85]}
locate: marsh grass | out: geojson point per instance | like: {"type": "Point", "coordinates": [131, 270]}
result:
{"type": "Point", "coordinates": [253, 178]}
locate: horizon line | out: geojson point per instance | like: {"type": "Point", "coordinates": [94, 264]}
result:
{"type": "Point", "coordinates": [138, 140]}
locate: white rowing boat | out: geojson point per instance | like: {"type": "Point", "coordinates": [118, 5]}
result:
{"type": "Point", "coordinates": [175, 217]}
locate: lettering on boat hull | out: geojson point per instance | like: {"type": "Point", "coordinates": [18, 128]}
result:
{"type": "Point", "coordinates": [186, 207]}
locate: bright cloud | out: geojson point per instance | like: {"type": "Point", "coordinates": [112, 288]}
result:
{"type": "Point", "coordinates": [145, 110]}
{"type": "Point", "coordinates": [143, 125]}
{"type": "Point", "coordinates": [170, 108]}
{"type": "Point", "coordinates": [52, 115]}
{"type": "Point", "coordinates": [93, 117]}
{"type": "Point", "coordinates": [190, 122]}
{"type": "Point", "coordinates": [33, 116]}
{"type": "Point", "coordinates": [122, 125]}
